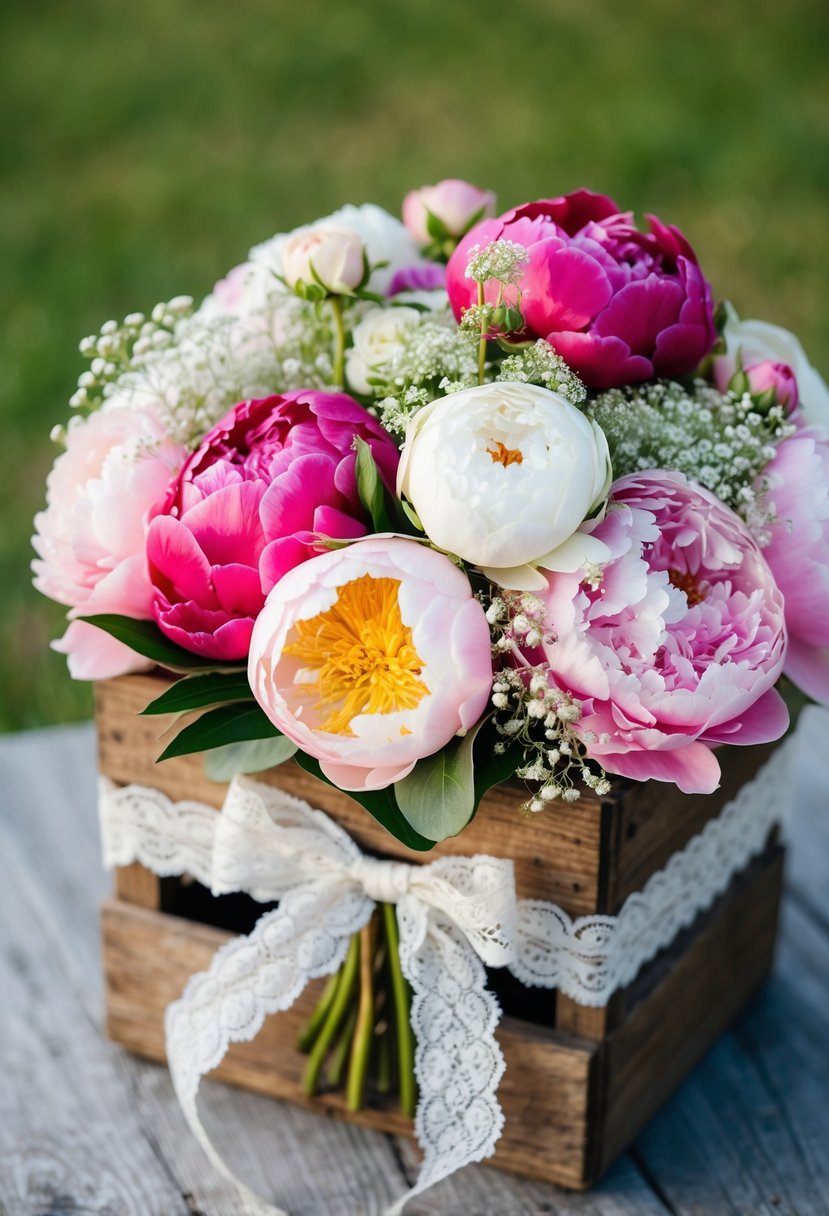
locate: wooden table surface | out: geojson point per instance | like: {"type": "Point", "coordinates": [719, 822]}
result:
{"type": "Point", "coordinates": [86, 1128]}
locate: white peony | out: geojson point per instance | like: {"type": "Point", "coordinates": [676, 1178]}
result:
{"type": "Point", "coordinates": [331, 256]}
{"type": "Point", "coordinates": [377, 339]}
{"type": "Point", "coordinates": [757, 340]}
{"type": "Point", "coordinates": [503, 475]}
{"type": "Point", "coordinates": [384, 238]}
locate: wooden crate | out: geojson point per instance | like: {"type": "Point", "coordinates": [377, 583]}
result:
{"type": "Point", "coordinates": [580, 1083]}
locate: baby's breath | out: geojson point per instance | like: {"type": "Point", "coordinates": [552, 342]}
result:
{"type": "Point", "coordinates": [721, 441]}
{"type": "Point", "coordinates": [531, 713]}
{"type": "Point", "coordinates": [503, 261]}
{"type": "Point", "coordinates": [539, 364]}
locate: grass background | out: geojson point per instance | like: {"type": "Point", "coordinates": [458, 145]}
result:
{"type": "Point", "coordinates": [145, 147]}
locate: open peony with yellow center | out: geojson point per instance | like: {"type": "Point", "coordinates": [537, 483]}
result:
{"type": "Point", "coordinates": [371, 657]}
{"type": "Point", "coordinates": [503, 475]}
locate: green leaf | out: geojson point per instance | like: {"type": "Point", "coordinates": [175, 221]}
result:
{"type": "Point", "coordinates": [435, 226]}
{"type": "Point", "coordinates": [438, 796]}
{"type": "Point", "coordinates": [201, 691]}
{"type": "Point", "coordinates": [252, 756]}
{"type": "Point", "coordinates": [145, 638]}
{"type": "Point", "coordinates": [217, 727]}
{"type": "Point", "coordinates": [370, 487]}
{"type": "Point", "coordinates": [379, 803]}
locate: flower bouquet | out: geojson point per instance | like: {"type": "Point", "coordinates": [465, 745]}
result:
{"type": "Point", "coordinates": [423, 508]}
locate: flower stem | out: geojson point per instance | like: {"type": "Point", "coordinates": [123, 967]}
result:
{"type": "Point", "coordinates": [334, 1016]}
{"type": "Point", "coordinates": [339, 340]}
{"type": "Point", "coordinates": [402, 1013]}
{"type": "Point", "coordinates": [309, 1033]}
{"type": "Point", "coordinates": [364, 1030]}
{"type": "Point", "coordinates": [482, 339]}
{"type": "Point", "coordinates": [339, 1056]}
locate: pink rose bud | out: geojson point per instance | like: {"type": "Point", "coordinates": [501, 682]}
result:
{"type": "Point", "coordinates": [776, 377]}
{"type": "Point", "coordinates": [331, 257]}
{"type": "Point", "coordinates": [454, 206]}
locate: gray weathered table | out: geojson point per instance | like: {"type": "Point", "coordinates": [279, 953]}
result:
{"type": "Point", "coordinates": [85, 1128]}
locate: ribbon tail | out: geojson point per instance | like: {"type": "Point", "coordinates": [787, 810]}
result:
{"type": "Point", "coordinates": [458, 1062]}
{"type": "Point", "coordinates": [248, 979]}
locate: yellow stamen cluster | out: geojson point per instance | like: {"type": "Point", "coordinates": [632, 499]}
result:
{"type": "Point", "coordinates": [362, 655]}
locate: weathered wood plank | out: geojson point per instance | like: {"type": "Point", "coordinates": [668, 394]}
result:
{"type": "Point", "coordinates": [69, 1136]}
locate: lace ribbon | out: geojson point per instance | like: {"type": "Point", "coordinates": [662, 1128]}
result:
{"type": "Point", "coordinates": [455, 916]}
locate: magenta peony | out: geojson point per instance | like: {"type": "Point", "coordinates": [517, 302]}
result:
{"type": "Point", "coordinates": [680, 644]}
{"type": "Point", "coordinates": [371, 657]}
{"type": "Point", "coordinates": [246, 507]}
{"type": "Point", "coordinates": [619, 305]}
{"type": "Point", "coordinates": [798, 554]}
{"type": "Point", "coordinates": [90, 538]}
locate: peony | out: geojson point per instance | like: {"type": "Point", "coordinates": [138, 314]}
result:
{"type": "Point", "coordinates": [619, 305]}
{"type": "Point", "coordinates": [453, 203]}
{"type": "Point", "coordinates": [371, 657]}
{"type": "Point", "coordinates": [331, 257]}
{"type": "Point", "coordinates": [383, 237]}
{"type": "Point", "coordinates": [798, 554]}
{"type": "Point", "coordinates": [90, 538]}
{"type": "Point", "coordinates": [502, 475]}
{"type": "Point", "coordinates": [756, 341]}
{"type": "Point", "coordinates": [680, 644]}
{"type": "Point", "coordinates": [377, 339]}
{"type": "Point", "coordinates": [248, 505]}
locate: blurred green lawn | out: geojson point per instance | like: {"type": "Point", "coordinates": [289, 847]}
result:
{"type": "Point", "coordinates": [144, 148]}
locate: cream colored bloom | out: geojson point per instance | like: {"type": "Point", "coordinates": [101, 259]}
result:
{"type": "Point", "coordinates": [332, 256]}
{"type": "Point", "coordinates": [377, 339]}
{"type": "Point", "coordinates": [503, 475]}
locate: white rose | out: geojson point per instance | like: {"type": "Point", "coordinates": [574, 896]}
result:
{"type": "Point", "coordinates": [384, 239]}
{"type": "Point", "coordinates": [757, 340]}
{"type": "Point", "coordinates": [331, 256]}
{"type": "Point", "coordinates": [503, 475]}
{"type": "Point", "coordinates": [377, 339]}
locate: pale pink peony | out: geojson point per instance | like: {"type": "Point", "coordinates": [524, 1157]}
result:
{"type": "Point", "coordinates": [619, 305]}
{"type": "Point", "coordinates": [456, 204]}
{"type": "Point", "coordinates": [371, 657]}
{"type": "Point", "coordinates": [266, 480]}
{"type": "Point", "coordinates": [680, 645]}
{"type": "Point", "coordinates": [798, 554]}
{"type": "Point", "coordinates": [90, 539]}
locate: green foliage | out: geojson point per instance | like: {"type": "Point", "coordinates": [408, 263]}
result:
{"type": "Point", "coordinates": [200, 692]}
{"type": "Point", "coordinates": [149, 146]}
{"type": "Point", "coordinates": [145, 638]}
{"type": "Point", "coordinates": [251, 756]}
{"type": "Point", "coordinates": [220, 727]}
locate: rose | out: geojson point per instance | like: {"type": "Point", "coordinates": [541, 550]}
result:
{"type": "Point", "coordinates": [766, 378]}
{"type": "Point", "coordinates": [333, 258]}
{"type": "Point", "coordinates": [798, 554]}
{"type": "Point", "coordinates": [377, 338]}
{"type": "Point", "coordinates": [387, 244]}
{"type": "Point", "coordinates": [248, 505]}
{"type": "Point", "coordinates": [620, 306]}
{"type": "Point", "coordinates": [371, 657]}
{"type": "Point", "coordinates": [90, 539]}
{"type": "Point", "coordinates": [502, 475]}
{"type": "Point", "coordinates": [452, 206]}
{"type": "Point", "coordinates": [756, 341]}
{"type": "Point", "coordinates": [679, 646]}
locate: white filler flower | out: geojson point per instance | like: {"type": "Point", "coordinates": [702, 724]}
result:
{"type": "Point", "coordinates": [503, 475]}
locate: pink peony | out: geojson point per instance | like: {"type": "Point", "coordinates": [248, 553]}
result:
{"type": "Point", "coordinates": [680, 645]}
{"type": "Point", "coordinates": [759, 378]}
{"type": "Point", "coordinates": [90, 538]}
{"type": "Point", "coordinates": [798, 554]}
{"type": "Point", "coordinates": [619, 305]}
{"type": "Point", "coordinates": [371, 657]}
{"type": "Point", "coordinates": [454, 203]}
{"type": "Point", "coordinates": [246, 507]}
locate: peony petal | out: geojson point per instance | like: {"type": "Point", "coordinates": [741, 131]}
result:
{"type": "Point", "coordinates": [693, 768]}
{"type": "Point", "coordinates": [289, 502]}
{"type": "Point", "coordinates": [763, 722]}
{"type": "Point", "coordinates": [278, 558]}
{"type": "Point", "coordinates": [808, 667]}
{"type": "Point", "coordinates": [178, 567]}
{"type": "Point", "coordinates": [562, 288]}
{"type": "Point", "coordinates": [640, 311]}
{"type": "Point", "coordinates": [226, 525]}
{"type": "Point", "coordinates": [93, 654]}
{"type": "Point", "coordinates": [601, 362]}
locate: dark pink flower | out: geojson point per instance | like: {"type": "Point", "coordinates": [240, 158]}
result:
{"type": "Point", "coordinates": [246, 508]}
{"type": "Point", "coordinates": [618, 304]}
